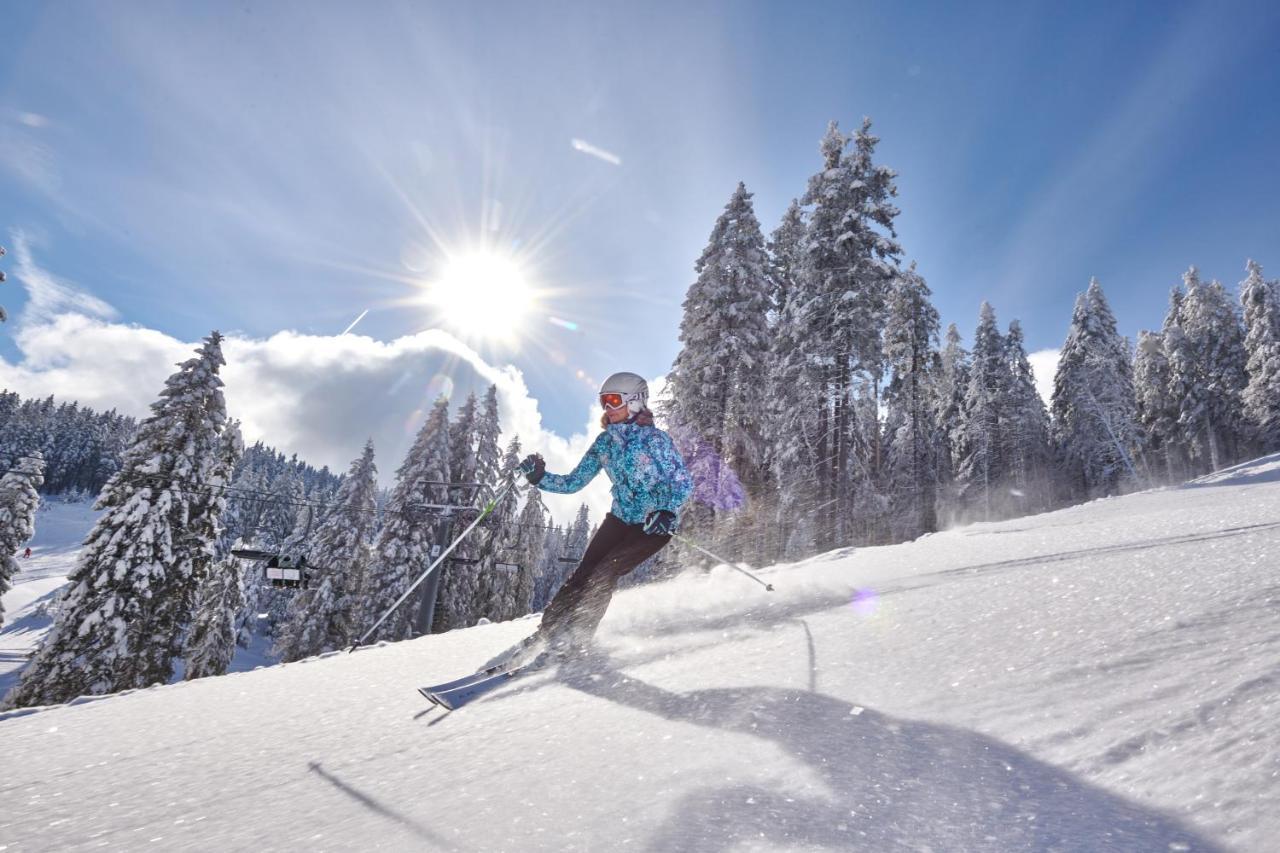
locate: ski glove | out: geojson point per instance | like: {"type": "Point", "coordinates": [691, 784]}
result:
{"type": "Point", "coordinates": [660, 522]}
{"type": "Point", "coordinates": [533, 467]}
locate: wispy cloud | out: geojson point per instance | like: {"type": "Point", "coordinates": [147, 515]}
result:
{"type": "Point", "coordinates": [47, 294]}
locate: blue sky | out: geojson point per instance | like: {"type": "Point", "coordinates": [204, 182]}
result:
{"type": "Point", "coordinates": [261, 167]}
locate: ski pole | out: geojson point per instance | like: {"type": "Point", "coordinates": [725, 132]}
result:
{"type": "Point", "coordinates": [502, 493]}
{"type": "Point", "coordinates": [692, 544]}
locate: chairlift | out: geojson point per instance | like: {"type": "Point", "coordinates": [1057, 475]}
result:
{"type": "Point", "coordinates": [284, 571]}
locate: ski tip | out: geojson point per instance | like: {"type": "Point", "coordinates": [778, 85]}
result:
{"type": "Point", "coordinates": [428, 695]}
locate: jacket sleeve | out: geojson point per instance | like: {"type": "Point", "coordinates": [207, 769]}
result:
{"type": "Point", "coordinates": [678, 482]}
{"type": "Point", "coordinates": [585, 472]}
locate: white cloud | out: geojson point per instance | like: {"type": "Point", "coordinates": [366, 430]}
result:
{"type": "Point", "coordinates": [47, 293]}
{"type": "Point", "coordinates": [1044, 364]}
{"type": "Point", "coordinates": [319, 396]}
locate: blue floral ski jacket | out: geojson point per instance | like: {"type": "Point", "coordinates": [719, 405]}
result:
{"type": "Point", "coordinates": [647, 471]}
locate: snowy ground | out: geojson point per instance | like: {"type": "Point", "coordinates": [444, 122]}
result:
{"type": "Point", "coordinates": [1106, 677]}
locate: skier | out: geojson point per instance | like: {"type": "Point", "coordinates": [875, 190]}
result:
{"type": "Point", "coordinates": [27, 553]}
{"type": "Point", "coordinates": [650, 485]}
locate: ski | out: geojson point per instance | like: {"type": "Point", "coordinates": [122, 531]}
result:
{"type": "Point", "coordinates": [522, 654]}
{"type": "Point", "coordinates": [471, 689]}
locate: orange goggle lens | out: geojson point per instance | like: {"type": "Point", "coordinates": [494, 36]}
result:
{"type": "Point", "coordinates": [611, 401]}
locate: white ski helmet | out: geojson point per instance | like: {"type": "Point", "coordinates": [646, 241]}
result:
{"type": "Point", "coordinates": [632, 388]}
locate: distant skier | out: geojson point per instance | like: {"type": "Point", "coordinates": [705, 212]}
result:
{"type": "Point", "coordinates": [27, 553]}
{"type": "Point", "coordinates": [650, 485]}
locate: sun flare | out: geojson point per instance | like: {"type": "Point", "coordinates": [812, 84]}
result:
{"type": "Point", "coordinates": [482, 295]}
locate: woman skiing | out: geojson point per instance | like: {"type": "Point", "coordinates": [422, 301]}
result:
{"type": "Point", "coordinates": [650, 485]}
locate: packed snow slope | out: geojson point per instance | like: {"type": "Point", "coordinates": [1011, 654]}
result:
{"type": "Point", "coordinates": [1106, 677]}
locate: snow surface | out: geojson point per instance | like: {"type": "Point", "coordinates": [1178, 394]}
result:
{"type": "Point", "coordinates": [1104, 677]}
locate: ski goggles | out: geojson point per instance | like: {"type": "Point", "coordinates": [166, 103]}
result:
{"type": "Point", "coordinates": [612, 401]}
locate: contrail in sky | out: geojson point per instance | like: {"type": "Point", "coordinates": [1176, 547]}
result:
{"type": "Point", "coordinates": [588, 148]}
{"type": "Point", "coordinates": [353, 322]}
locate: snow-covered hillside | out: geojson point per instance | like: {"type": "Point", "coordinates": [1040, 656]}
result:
{"type": "Point", "coordinates": [60, 529]}
{"type": "Point", "coordinates": [1100, 678]}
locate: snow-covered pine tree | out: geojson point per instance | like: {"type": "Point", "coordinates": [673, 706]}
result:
{"type": "Point", "coordinates": [1156, 409]}
{"type": "Point", "coordinates": [1261, 302]}
{"type": "Point", "coordinates": [19, 499]}
{"type": "Point", "coordinates": [1029, 447]}
{"type": "Point", "coordinates": [319, 618]}
{"type": "Point", "coordinates": [715, 411]}
{"type": "Point", "coordinates": [552, 570]}
{"type": "Point", "coordinates": [131, 595]}
{"type": "Point", "coordinates": [782, 483]}
{"type": "Point", "coordinates": [499, 592]}
{"type": "Point", "coordinates": [403, 547]}
{"type": "Point", "coordinates": [530, 549]}
{"type": "Point", "coordinates": [850, 258]}
{"type": "Point", "coordinates": [211, 642]}
{"type": "Point", "coordinates": [476, 458]}
{"type": "Point", "coordinates": [1181, 386]}
{"type": "Point", "coordinates": [796, 417]}
{"type": "Point", "coordinates": [1093, 402]}
{"type": "Point", "coordinates": [911, 355]}
{"type": "Point", "coordinates": [564, 554]}
{"type": "Point", "coordinates": [1210, 365]}
{"type": "Point", "coordinates": [983, 465]}
{"type": "Point", "coordinates": [211, 639]}
{"type": "Point", "coordinates": [952, 383]}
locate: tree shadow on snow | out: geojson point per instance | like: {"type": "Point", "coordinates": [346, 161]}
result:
{"type": "Point", "coordinates": [886, 783]}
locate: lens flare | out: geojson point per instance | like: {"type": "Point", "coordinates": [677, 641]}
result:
{"type": "Point", "coordinates": [865, 602]}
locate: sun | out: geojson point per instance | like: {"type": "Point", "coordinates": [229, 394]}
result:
{"type": "Point", "coordinates": [482, 295]}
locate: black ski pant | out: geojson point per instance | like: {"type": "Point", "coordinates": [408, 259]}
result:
{"type": "Point", "coordinates": [579, 605]}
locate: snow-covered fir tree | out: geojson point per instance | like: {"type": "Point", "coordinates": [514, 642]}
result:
{"type": "Point", "coordinates": [1181, 388]}
{"type": "Point", "coordinates": [1156, 410]}
{"type": "Point", "coordinates": [1261, 302]}
{"type": "Point", "coordinates": [403, 547]}
{"type": "Point", "coordinates": [952, 383]}
{"type": "Point", "coordinates": [551, 570]}
{"type": "Point", "coordinates": [1093, 402]}
{"type": "Point", "coordinates": [563, 551]}
{"type": "Point", "coordinates": [849, 259]}
{"type": "Point", "coordinates": [1208, 366]}
{"type": "Point", "coordinates": [785, 251]}
{"type": "Point", "coordinates": [715, 412]}
{"type": "Point", "coordinates": [530, 548]}
{"type": "Point", "coordinates": [211, 640]}
{"type": "Point", "coordinates": [320, 618]}
{"type": "Point", "coordinates": [473, 446]}
{"type": "Point", "coordinates": [983, 467]}
{"type": "Point", "coordinates": [19, 500]}
{"type": "Point", "coordinates": [1028, 444]}
{"type": "Point", "coordinates": [131, 595]}
{"type": "Point", "coordinates": [911, 355]}
{"type": "Point", "coordinates": [792, 405]}
{"type": "Point", "coordinates": [502, 578]}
